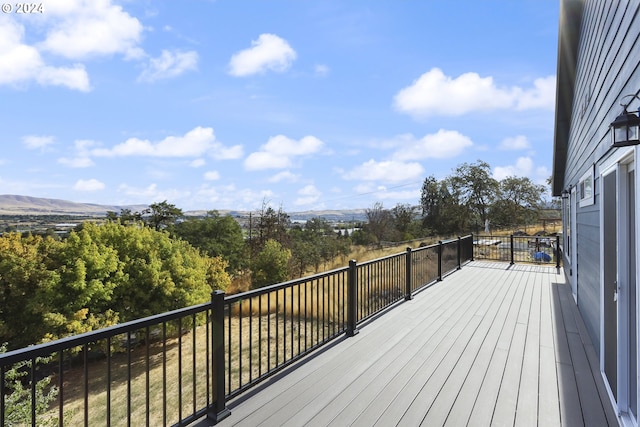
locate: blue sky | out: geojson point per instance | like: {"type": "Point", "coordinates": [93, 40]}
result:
{"type": "Point", "coordinates": [308, 105]}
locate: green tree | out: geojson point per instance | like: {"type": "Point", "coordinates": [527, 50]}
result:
{"type": "Point", "coordinates": [127, 216]}
{"type": "Point", "coordinates": [52, 289]}
{"type": "Point", "coordinates": [162, 215]}
{"type": "Point", "coordinates": [475, 188]}
{"type": "Point", "coordinates": [441, 210]}
{"type": "Point", "coordinates": [518, 202]}
{"type": "Point", "coordinates": [216, 235]}
{"type": "Point", "coordinates": [403, 219]}
{"type": "Point", "coordinates": [112, 216]}
{"type": "Point", "coordinates": [316, 243]}
{"type": "Point", "coordinates": [161, 273]}
{"type": "Point", "coordinates": [319, 226]}
{"type": "Point", "coordinates": [304, 253]}
{"type": "Point", "coordinates": [362, 237]}
{"type": "Point", "coordinates": [271, 265]}
{"type": "Point", "coordinates": [96, 277]}
{"type": "Point", "coordinates": [380, 223]}
{"type": "Point", "coordinates": [24, 282]}
{"type": "Point", "coordinates": [87, 274]}
{"type": "Point", "coordinates": [268, 224]}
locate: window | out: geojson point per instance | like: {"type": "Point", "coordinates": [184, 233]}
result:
{"type": "Point", "coordinates": [585, 189]}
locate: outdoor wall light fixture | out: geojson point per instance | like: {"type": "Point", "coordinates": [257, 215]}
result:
{"type": "Point", "coordinates": [625, 129]}
{"type": "Point", "coordinates": [565, 194]}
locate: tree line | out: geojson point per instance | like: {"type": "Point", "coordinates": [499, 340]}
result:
{"type": "Point", "coordinates": [137, 264]}
{"type": "Point", "coordinates": [460, 203]}
{"type": "Point", "coordinates": [470, 197]}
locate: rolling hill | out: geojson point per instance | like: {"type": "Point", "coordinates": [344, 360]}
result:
{"type": "Point", "coordinates": [27, 205]}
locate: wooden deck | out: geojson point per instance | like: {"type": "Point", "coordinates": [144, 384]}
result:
{"type": "Point", "coordinates": [492, 344]}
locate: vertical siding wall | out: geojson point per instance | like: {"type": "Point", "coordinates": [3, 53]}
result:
{"type": "Point", "coordinates": [608, 68]}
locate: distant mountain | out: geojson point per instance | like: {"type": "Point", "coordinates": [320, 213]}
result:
{"type": "Point", "coordinates": [331, 215]}
{"type": "Point", "coordinates": [26, 205]}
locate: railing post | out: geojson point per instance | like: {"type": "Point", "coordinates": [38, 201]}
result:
{"type": "Point", "coordinates": [439, 260]}
{"type": "Point", "coordinates": [459, 252]}
{"type": "Point", "coordinates": [407, 292]}
{"type": "Point", "coordinates": [219, 409]}
{"type": "Point", "coordinates": [557, 251]}
{"type": "Point", "coordinates": [511, 245]}
{"type": "Point", "coordinates": [352, 299]}
{"type": "Point", "coordinates": [472, 247]}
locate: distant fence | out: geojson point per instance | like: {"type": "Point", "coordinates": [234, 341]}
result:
{"type": "Point", "coordinates": [176, 367]}
{"type": "Point", "coordinates": [536, 249]}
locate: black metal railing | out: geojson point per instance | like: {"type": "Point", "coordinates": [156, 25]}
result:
{"type": "Point", "coordinates": [518, 249]}
{"type": "Point", "coordinates": [176, 367]}
{"type": "Point", "coordinates": [152, 371]}
{"type": "Point", "coordinates": [269, 328]}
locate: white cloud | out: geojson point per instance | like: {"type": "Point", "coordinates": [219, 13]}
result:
{"type": "Point", "coordinates": [230, 195]}
{"type": "Point", "coordinates": [279, 152]}
{"type": "Point", "coordinates": [83, 145]}
{"type": "Point", "coordinates": [168, 65]}
{"type": "Point", "coordinates": [289, 147]}
{"type": "Point", "coordinates": [195, 143]}
{"type": "Point", "coordinates": [89, 185]}
{"type": "Point", "coordinates": [76, 162]}
{"type": "Point", "coordinates": [151, 193]}
{"type": "Point", "coordinates": [269, 52]}
{"type": "Point", "coordinates": [266, 160]}
{"type": "Point", "coordinates": [388, 171]}
{"type": "Point", "coordinates": [519, 142]}
{"type": "Point", "coordinates": [542, 174]}
{"type": "Point", "coordinates": [309, 194]}
{"type": "Point", "coordinates": [441, 145]}
{"type": "Point", "coordinates": [21, 63]}
{"type": "Point", "coordinates": [543, 95]}
{"type": "Point", "coordinates": [321, 70]}
{"type": "Point", "coordinates": [410, 195]}
{"type": "Point", "coordinates": [434, 93]}
{"type": "Point", "coordinates": [197, 163]}
{"type": "Point", "coordinates": [212, 175]}
{"type": "Point", "coordinates": [85, 28]}
{"type": "Point", "coordinates": [73, 78]}
{"type": "Point", "coordinates": [79, 30]}
{"type": "Point", "coordinates": [221, 152]}
{"type": "Point", "coordinates": [522, 168]}
{"type": "Point", "coordinates": [284, 176]}
{"type": "Point", "coordinates": [33, 142]}
{"type": "Point", "coordinates": [382, 192]}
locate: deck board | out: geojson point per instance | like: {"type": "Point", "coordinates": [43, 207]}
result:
{"type": "Point", "coordinates": [527, 408]}
{"type": "Point", "coordinates": [449, 393]}
{"type": "Point", "coordinates": [460, 325]}
{"type": "Point", "coordinates": [484, 406]}
{"type": "Point", "coordinates": [548, 404]}
{"type": "Point", "coordinates": [492, 344]}
{"type": "Point", "coordinates": [460, 412]}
